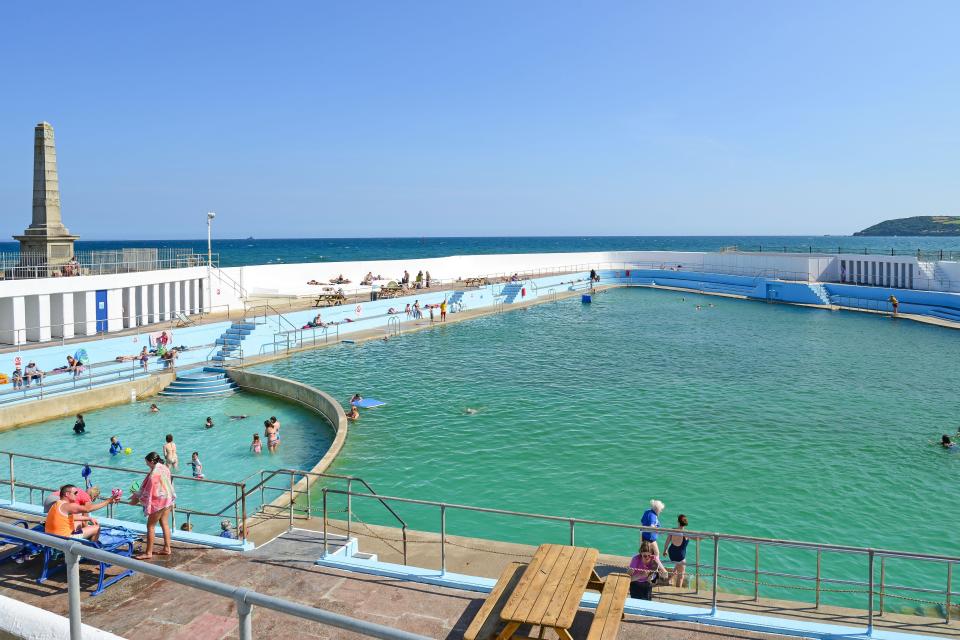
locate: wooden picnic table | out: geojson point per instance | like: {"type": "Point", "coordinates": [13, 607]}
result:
{"type": "Point", "coordinates": [331, 299]}
{"type": "Point", "coordinates": [550, 590]}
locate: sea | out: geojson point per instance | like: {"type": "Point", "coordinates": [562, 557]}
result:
{"type": "Point", "coordinates": [240, 252]}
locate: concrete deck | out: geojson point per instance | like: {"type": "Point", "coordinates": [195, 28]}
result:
{"type": "Point", "coordinates": [145, 608]}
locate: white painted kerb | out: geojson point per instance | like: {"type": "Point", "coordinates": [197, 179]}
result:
{"type": "Point", "coordinates": [19, 620]}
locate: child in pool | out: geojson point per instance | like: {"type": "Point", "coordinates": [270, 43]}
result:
{"type": "Point", "coordinates": [154, 409]}
{"type": "Point", "coordinates": [256, 446]}
{"type": "Point", "coordinates": [209, 423]}
{"type": "Point", "coordinates": [115, 446]}
{"type": "Point", "coordinates": [197, 465]}
{"type": "Point", "coordinates": [354, 414]}
{"type": "Point", "coordinates": [170, 452]}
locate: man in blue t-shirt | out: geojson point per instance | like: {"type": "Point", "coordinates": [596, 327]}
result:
{"type": "Point", "coordinates": [651, 518]}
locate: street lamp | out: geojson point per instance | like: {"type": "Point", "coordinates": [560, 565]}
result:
{"type": "Point", "coordinates": [210, 216]}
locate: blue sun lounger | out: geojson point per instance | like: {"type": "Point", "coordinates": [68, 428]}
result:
{"type": "Point", "coordinates": [112, 539]}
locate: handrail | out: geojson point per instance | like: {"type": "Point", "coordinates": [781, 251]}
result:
{"type": "Point", "coordinates": [239, 505]}
{"type": "Point", "coordinates": [871, 553]}
{"type": "Point", "coordinates": [236, 286]}
{"type": "Point", "coordinates": [244, 598]}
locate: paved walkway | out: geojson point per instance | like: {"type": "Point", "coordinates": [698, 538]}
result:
{"type": "Point", "coordinates": [144, 608]}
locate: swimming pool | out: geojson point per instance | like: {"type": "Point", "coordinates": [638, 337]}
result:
{"type": "Point", "coordinates": [224, 450]}
{"type": "Point", "coordinates": [766, 420]}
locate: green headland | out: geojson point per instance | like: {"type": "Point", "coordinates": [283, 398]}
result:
{"type": "Point", "coordinates": [915, 226]}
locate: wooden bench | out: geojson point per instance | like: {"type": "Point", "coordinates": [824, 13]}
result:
{"type": "Point", "coordinates": [609, 613]}
{"type": "Point", "coordinates": [329, 299]}
{"type": "Point", "coordinates": [485, 623]}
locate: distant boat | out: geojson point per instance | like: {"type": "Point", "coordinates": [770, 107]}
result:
{"type": "Point", "coordinates": [250, 238]}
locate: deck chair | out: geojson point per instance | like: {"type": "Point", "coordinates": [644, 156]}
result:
{"type": "Point", "coordinates": [20, 548]}
{"type": "Point", "coordinates": [113, 539]}
{"type": "Point", "coordinates": [182, 319]}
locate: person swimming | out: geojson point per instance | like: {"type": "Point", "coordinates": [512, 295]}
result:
{"type": "Point", "coordinates": [115, 446]}
{"type": "Point", "coordinates": [470, 411]}
{"type": "Point", "coordinates": [154, 409]}
{"type": "Point", "coordinates": [79, 427]}
{"type": "Point", "coordinates": [354, 414]}
{"type": "Point", "coordinates": [209, 423]}
{"type": "Point", "coordinates": [256, 446]}
{"type": "Point", "coordinates": [947, 443]}
{"type": "Point", "coordinates": [239, 417]}
{"type": "Point", "coordinates": [356, 398]}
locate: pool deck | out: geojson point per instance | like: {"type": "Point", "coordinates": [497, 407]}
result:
{"type": "Point", "coordinates": [146, 608]}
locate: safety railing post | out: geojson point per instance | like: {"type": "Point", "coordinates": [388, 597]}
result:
{"type": "Point", "coordinates": [572, 537]}
{"type": "Point", "coordinates": [696, 573]}
{"type": "Point", "coordinates": [236, 510]}
{"type": "Point", "coordinates": [443, 539]}
{"type": "Point", "coordinates": [870, 559]}
{"type": "Point", "coordinates": [324, 522]}
{"type": "Point", "coordinates": [883, 571]}
{"type": "Point", "coordinates": [716, 574]}
{"type": "Point", "coordinates": [72, 560]}
{"type": "Point", "coordinates": [817, 588]}
{"type": "Point", "coordinates": [243, 508]}
{"type": "Point", "coordinates": [949, 590]}
{"type": "Point", "coordinates": [309, 510]}
{"type": "Point", "coordinates": [244, 617]}
{"type": "Point", "coordinates": [349, 504]}
{"type": "Point", "coordinates": [13, 482]}
{"type": "Point", "coordinates": [291, 501]}
{"type": "Point", "coordinates": [756, 573]}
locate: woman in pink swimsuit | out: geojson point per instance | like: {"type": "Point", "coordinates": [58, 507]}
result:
{"type": "Point", "coordinates": [157, 498]}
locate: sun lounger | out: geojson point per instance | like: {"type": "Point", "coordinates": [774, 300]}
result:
{"type": "Point", "coordinates": [115, 540]}
{"type": "Point", "coordinates": [182, 319]}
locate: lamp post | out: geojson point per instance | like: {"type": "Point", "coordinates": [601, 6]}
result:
{"type": "Point", "coordinates": [210, 216]}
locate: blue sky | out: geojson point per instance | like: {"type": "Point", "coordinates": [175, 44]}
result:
{"type": "Point", "coordinates": [488, 118]}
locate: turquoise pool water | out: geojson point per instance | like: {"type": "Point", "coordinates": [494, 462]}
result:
{"type": "Point", "coordinates": [750, 418]}
{"type": "Point", "coordinates": [224, 450]}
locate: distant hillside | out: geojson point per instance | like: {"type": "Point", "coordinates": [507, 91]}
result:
{"type": "Point", "coordinates": [915, 226]}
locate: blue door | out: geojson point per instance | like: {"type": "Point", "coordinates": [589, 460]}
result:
{"type": "Point", "coordinates": [101, 311]}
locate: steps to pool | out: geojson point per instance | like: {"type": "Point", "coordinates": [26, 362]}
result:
{"type": "Point", "coordinates": [208, 381]}
{"type": "Point", "coordinates": [231, 340]}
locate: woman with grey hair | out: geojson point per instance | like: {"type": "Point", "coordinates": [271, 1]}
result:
{"type": "Point", "coordinates": [651, 518]}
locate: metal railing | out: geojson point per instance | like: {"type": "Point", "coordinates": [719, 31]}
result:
{"type": "Point", "coordinates": [244, 599]}
{"type": "Point", "coordinates": [238, 505]}
{"type": "Point", "coordinates": [922, 254]}
{"type": "Point", "coordinates": [17, 265]}
{"type": "Point", "coordinates": [140, 324]}
{"type": "Point", "coordinates": [293, 494]}
{"type": "Point", "coordinates": [869, 587]}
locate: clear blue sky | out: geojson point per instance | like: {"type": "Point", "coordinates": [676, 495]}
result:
{"type": "Point", "coordinates": [486, 118]}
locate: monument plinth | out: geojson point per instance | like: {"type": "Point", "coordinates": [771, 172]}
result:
{"type": "Point", "coordinates": [46, 239]}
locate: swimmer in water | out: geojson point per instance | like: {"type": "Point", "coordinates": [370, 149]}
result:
{"type": "Point", "coordinates": [698, 307]}
{"type": "Point", "coordinates": [470, 411]}
{"type": "Point", "coordinates": [356, 398]}
{"type": "Point", "coordinates": [209, 423]}
{"type": "Point", "coordinates": [354, 414]}
{"type": "Point", "coordinates": [947, 443]}
{"type": "Point", "coordinates": [154, 409]}
{"type": "Point", "coordinates": [239, 417]}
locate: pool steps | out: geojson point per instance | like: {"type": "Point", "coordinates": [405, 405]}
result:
{"type": "Point", "coordinates": [230, 342]}
{"type": "Point", "coordinates": [209, 381]}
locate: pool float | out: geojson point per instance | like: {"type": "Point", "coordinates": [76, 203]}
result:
{"type": "Point", "coordinates": [368, 403]}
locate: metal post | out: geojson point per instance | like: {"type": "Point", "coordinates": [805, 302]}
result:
{"type": "Point", "coordinates": [870, 587]}
{"type": "Point", "coordinates": [819, 554]}
{"type": "Point", "coordinates": [349, 505]}
{"type": "Point", "coordinates": [443, 539]}
{"type": "Point", "coordinates": [72, 561]}
{"type": "Point", "coordinates": [572, 538]}
{"type": "Point", "coordinates": [308, 497]}
{"type": "Point", "coordinates": [756, 573]}
{"type": "Point", "coordinates": [949, 589]}
{"type": "Point", "coordinates": [883, 562]}
{"type": "Point", "coordinates": [324, 522]}
{"type": "Point", "coordinates": [245, 616]}
{"type": "Point", "coordinates": [13, 483]}
{"type": "Point", "coordinates": [696, 573]}
{"type": "Point", "coordinates": [243, 508]}
{"type": "Point", "coordinates": [291, 501]}
{"type": "Point", "coordinates": [716, 573]}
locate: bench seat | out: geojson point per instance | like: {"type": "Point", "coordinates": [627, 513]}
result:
{"type": "Point", "coordinates": [485, 624]}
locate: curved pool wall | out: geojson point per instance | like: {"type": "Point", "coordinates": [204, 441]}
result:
{"type": "Point", "coordinates": [312, 398]}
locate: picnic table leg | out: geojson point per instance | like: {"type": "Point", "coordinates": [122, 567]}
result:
{"type": "Point", "coordinates": [508, 631]}
{"type": "Point", "coordinates": [595, 582]}
{"type": "Point", "coordinates": [563, 633]}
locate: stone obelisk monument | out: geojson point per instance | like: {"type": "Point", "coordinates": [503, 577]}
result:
{"type": "Point", "coordinates": [46, 239]}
